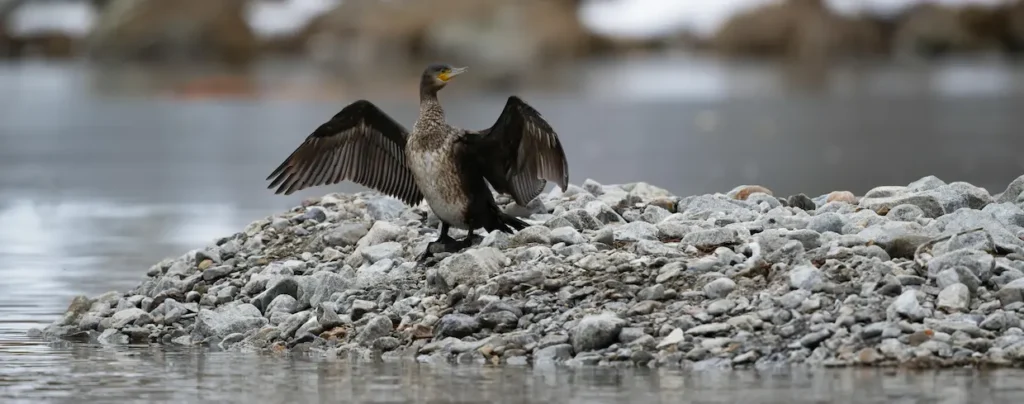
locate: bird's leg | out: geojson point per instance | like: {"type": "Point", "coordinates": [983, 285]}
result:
{"type": "Point", "coordinates": [444, 238]}
{"type": "Point", "coordinates": [444, 243]}
{"type": "Point", "coordinates": [468, 241]}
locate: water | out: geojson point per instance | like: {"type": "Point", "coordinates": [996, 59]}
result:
{"type": "Point", "coordinates": [144, 375]}
{"type": "Point", "coordinates": [102, 175]}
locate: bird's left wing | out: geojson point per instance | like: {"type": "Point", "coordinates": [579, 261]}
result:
{"type": "Point", "coordinates": [519, 153]}
{"type": "Point", "coordinates": [360, 143]}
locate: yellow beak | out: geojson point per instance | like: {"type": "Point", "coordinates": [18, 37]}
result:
{"type": "Point", "coordinates": [445, 76]}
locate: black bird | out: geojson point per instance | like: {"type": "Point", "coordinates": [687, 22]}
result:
{"type": "Point", "coordinates": [448, 166]}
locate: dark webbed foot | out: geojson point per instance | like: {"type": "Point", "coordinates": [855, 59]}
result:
{"type": "Point", "coordinates": [423, 258]}
{"type": "Point", "coordinates": [439, 246]}
{"type": "Point", "coordinates": [470, 240]}
{"type": "Point", "coordinates": [449, 245]}
{"type": "Point", "coordinates": [446, 244]}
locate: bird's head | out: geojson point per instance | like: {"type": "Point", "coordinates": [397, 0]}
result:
{"type": "Point", "coordinates": [436, 76]}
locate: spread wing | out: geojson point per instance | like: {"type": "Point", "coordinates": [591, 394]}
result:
{"type": "Point", "coordinates": [360, 143]}
{"type": "Point", "coordinates": [519, 153]}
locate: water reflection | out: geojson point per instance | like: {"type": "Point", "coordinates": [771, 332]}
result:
{"type": "Point", "coordinates": [145, 374]}
{"type": "Point", "coordinates": [96, 188]}
{"type": "Point", "coordinates": [53, 250]}
{"type": "Point", "coordinates": [678, 77]}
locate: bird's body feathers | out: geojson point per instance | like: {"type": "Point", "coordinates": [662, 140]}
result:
{"type": "Point", "coordinates": [437, 176]}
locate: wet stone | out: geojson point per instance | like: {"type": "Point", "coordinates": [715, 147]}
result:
{"type": "Point", "coordinates": [596, 332]}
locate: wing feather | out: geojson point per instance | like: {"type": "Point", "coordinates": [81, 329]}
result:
{"type": "Point", "coordinates": [520, 153]}
{"type": "Point", "coordinates": [360, 143]}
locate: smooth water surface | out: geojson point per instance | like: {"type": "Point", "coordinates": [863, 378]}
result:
{"type": "Point", "coordinates": [97, 183]}
{"type": "Point", "coordinates": [146, 375]}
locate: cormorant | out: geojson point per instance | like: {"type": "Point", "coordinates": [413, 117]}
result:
{"type": "Point", "coordinates": [448, 166]}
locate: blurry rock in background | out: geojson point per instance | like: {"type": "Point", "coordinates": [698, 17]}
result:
{"type": "Point", "coordinates": [1015, 26]}
{"type": "Point", "coordinates": [800, 30]}
{"type": "Point", "coordinates": [503, 39]}
{"type": "Point", "coordinates": [48, 29]}
{"type": "Point", "coordinates": [932, 30]}
{"type": "Point", "coordinates": [178, 30]}
{"type": "Point", "coordinates": [7, 45]}
{"type": "Point", "coordinates": [498, 37]}
{"type": "Point", "coordinates": [809, 30]}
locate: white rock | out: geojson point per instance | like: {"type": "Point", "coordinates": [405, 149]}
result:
{"type": "Point", "coordinates": [674, 337]}
{"type": "Point", "coordinates": [805, 277]}
{"type": "Point", "coordinates": [954, 298]}
{"type": "Point", "coordinates": [719, 288]}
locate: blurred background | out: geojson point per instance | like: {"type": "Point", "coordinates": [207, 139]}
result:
{"type": "Point", "coordinates": [133, 130]}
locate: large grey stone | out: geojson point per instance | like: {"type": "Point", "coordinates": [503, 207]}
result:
{"type": "Point", "coordinates": [596, 332]}
{"type": "Point", "coordinates": [378, 327]}
{"type": "Point", "coordinates": [933, 199]}
{"type": "Point", "coordinates": [345, 234]}
{"type": "Point", "coordinates": [227, 319]}
{"type": "Point", "coordinates": [805, 277]}
{"type": "Point", "coordinates": [130, 316]}
{"type": "Point", "coordinates": [954, 298]}
{"type": "Point", "coordinates": [377, 252]}
{"type": "Point", "coordinates": [470, 267]}
{"type": "Point", "coordinates": [719, 288]}
{"type": "Point", "coordinates": [1012, 292]}
{"type": "Point", "coordinates": [635, 231]}
{"type": "Point", "coordinates": [384, 208]}
{"type": "Point", "coordinates": [319, 287]}
{"type": "Point", "coordinates": [969, 219]}
{"type": "Point", "coordinates": [1013, 190]}
{"type": "Point", "coordinates": [977, 262]}
{"type": "Point", "coordinates": [456, 325]}
{"type": "Point", "coordinates": [567, 235]}
{"type": "Point", "coordinates": [712, 238]}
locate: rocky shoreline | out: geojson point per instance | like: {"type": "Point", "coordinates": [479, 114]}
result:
{"type": "Point", "coordinates": [925, 275]}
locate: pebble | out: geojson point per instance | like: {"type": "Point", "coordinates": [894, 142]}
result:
{"type": "Point", "coordinates": [596, 332]}
{"type": "Point", "coordinates": [801, 201]}
{"type": "Point", "coordinates": [709, 329]}
{"type": "Point", "coordinates": [604, 275]}
{"type": "Point", "coordinates": [720, 307]}
{"type": "Point", "coordinates": [908, 306]}
{"type": "Point", "coordinates": [954, 298]}
{"type": "Point", "coordinates": [841, 196]}
{"type": "Point", "coordinates": [719, 288]}
{"type": "Point", "coordinates": [742, 192]}
{"type": "Point", "coordinates": [805, 277]}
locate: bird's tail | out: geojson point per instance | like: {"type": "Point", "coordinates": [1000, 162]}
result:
{"type": "Point", "coordinates": [506, 223]}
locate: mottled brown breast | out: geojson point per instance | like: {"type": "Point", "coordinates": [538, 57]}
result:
{"type": "Point", "coordinates": [429, 156]}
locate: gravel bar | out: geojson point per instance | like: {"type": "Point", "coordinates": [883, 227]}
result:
{"type": "Point", "coordinates": [925, 275]}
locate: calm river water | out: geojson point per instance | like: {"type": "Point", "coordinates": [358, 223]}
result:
{"type": "Point", "coordinates": [98, 182]}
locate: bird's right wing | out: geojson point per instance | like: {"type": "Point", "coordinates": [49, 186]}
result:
{"type": "Point", "coordinates": [519, 153]}
{"type": "Point", "coordinates": [360, 143]}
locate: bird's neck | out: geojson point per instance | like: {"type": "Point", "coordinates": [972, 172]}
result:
{"type": "Point", "coordinates": [430, 107]}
